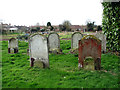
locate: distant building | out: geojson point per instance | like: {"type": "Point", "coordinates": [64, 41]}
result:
{"type": "Point", "coordinates": [56, 27]}
{"type": "Point", "coordinates": [22, 29]}
{"type": "Point", "coordinates": [75, 28]}
{"type": "Point", "coordinates": [81, 28]}
{"type": "Point", "coordinates": [84, 28]}
{"type": "Point", "coordinates": [8, 28]}
{"type": "Point", "coordinates": [13, 29]}
{"type": "Point", "coordinates": [37, 28]}
{"type": "Point", "coordinates": [4, 28]}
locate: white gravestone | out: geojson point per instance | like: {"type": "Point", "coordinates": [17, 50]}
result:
{"type": "Point", "coordinates": [12, 45]}
{"type": "Point", "coordinates": [38, 51]}
{"type": "Point", "coordinates": [75, 39]}
{"type": "Point", "coordinates": [102, 37]}
{"type": "Point", "coordinates": [54, 43]}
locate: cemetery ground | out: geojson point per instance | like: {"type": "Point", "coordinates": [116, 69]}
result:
{"type": "Point", "coordinates": [6, 37]}
{"type": "Point", "coordinates": [63, 71]}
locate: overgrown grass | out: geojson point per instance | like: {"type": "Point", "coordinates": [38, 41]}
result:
{"type": "Point", "coordinates": [63, 72]}
{"type": "Point", "coordinates": [65, 45]}
{"type": "Point", "coordinates": [67, 35]}
{"type": "Point", "coordinates": [8, 36]}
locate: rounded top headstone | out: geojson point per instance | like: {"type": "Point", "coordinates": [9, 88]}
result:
{"type": "Point", "coordinates": [75, 38]}
{"type": "Point", "coordinates": [53, 41]}
{"type": "Point", "coordinates": [12, 39]}
{"type": "Point", "coordinates": [77, 33]}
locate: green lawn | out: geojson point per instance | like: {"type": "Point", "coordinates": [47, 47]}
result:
{"type": "Point", "coordinates": [63, 72]}
{"type": "Point", "coordinates": [68, 35]}
{"type": "Point", "coordinates": [8, 36]}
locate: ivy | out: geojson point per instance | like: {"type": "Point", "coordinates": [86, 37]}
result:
{"type": "Point", "coordinates": [111, 24]}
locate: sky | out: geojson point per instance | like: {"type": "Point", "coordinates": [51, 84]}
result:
{"type": "Point", "coordinates": [31, 12]}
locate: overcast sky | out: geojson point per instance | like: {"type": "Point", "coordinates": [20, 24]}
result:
{"type": "Point", "coordinates": [30, 12]}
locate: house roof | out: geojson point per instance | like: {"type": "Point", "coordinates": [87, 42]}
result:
{"type": "Point", "coordinates": [37, 26]}
{"type": "Point", "coordinates": [13, 28]}
{"type": "Point", "coordinates": [75, 27]}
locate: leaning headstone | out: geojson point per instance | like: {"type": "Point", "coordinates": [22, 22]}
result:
{"type": "Point", "coordinates": [74, 41]}
{"type": "Point", "coordinates": [12, 45]}
{"type": "Point", "coordinates": [102, 37]}
{"type": "Point", "coordinates": [89, 45]}
{"type": "Point", "coordinates": [38, 51]}
{"type": "Point", "coordinates": [54, 43]}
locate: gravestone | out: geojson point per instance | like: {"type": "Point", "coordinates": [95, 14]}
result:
{"type": "Point", "coordinates": [12, 45]}
{"type": "Point", "coordinates": [74, 41]}
{"type": "Point", "coordinates": [38, 51]}
{"type": "Point", "coordinates": [102, 37]}
{"type": "Point", "coordinates": [54, 43]}
{"type": "Point", "coordinates": [83, 30]}
{"type": "Point", "coordinates": [89, 45]}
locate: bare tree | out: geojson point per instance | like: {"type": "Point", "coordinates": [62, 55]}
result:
{"type": "Point", "coordinates": [66, 24]}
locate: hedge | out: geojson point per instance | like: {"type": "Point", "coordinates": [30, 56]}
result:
{"type": "Point", "coordinates": [111, 24]}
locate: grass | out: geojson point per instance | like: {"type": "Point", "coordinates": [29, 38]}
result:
{"type": "Point", "coordinates": [63, 72]}
{"type": "Point", "coordinates": [8, 36]}
{"type": "Point", "coordinates": [65, 36]}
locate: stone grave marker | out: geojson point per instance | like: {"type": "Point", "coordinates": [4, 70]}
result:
{"type": "Point", "coordinates": [102, 37]}
{"type": "Point", "coordinates": [89, 45]}
{"type": "Point", "coordinates": [54, 43]}
{"type": "Point", "coordinates": [38, 51]}
{"type": "Point", "coordinates": [12, 45]}
{"type": "Point", "coordinates": [74, 41]}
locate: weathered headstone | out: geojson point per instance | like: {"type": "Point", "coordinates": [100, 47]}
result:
{"type": "Point", "coordinates": [38, 51]}
{"type": "Point", "coordinates": [89, 45]}
{"type": "Point", "coordinates": [102, 37]}
{"type": "Point", "coordinates": [74, 41]}
{"type": "Point", "coordinates": [54, 43]}
{"type": "Point", "coordinates": [12, 45]}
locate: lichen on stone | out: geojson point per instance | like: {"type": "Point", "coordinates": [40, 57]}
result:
{"type": "Point", "coordinates": [31, 35]}
{"type": "Point", "coordinates": [91, 36]}
{"type": "Point", "coordinates": [56, 51]}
